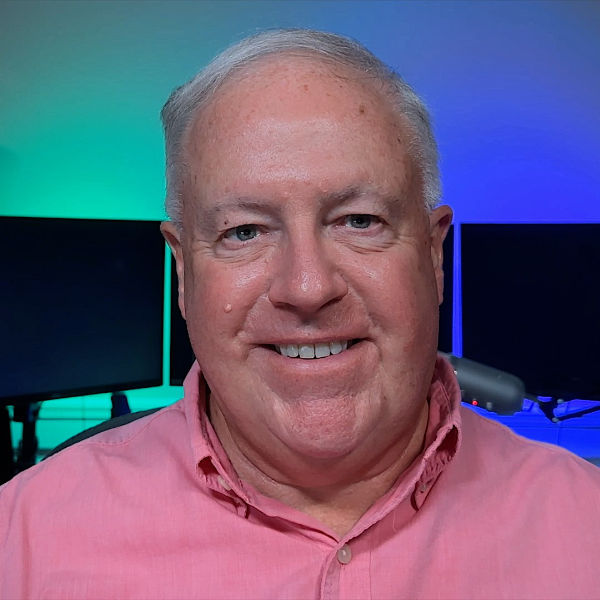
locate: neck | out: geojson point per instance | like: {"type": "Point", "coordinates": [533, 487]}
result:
{"type": "Point", "coordinates": [337, 505]}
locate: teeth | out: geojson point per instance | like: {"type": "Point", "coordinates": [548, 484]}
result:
{"type": "Point", "coordinates": [322, 350]}
{"type": "Point", "coordinates": [306, 351]}
{"type": "Point", "coordinates": [292, 350]}
{"type": "Point", "coordinates": [335, 347]}
{"type": "Point", "coordinates": [319, 350]}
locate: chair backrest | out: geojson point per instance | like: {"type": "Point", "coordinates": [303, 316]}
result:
{"type": "Point", "coordinates": [110, 424]}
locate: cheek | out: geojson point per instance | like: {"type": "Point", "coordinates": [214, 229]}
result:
{"type": "Point", "coordinates": [401, 297]}
{"type": "Point", "coordinates": [219, 299]}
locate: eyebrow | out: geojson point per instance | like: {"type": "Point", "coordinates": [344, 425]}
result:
{"type": "Point", "coordinates": [356, 192]}
{"type": "Point", "coordinates": [241, 202]}
{"type": "Point", "coordinates": [262, 206]}
{"type": "Point", "coordinates": [385, 201]}
{"type": "Point", "coordinates": [208, 217]}
{"type": "Point", "coordinates": [349, 193]}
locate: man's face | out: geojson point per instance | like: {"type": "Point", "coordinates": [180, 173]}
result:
{"type": "Point", "coordinates": [305, 233]}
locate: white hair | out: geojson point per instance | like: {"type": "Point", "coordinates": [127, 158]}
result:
{"type": "Point", "coordinates": [184, 104]}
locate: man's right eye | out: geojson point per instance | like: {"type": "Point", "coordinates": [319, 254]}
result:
{"type": "Point", "coordinates": [242, 233]}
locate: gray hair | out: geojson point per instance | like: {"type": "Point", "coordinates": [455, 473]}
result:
{"type": "Point", "coordinates": [182, 107]}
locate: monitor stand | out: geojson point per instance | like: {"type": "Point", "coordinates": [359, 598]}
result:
{"type": "Point", "coordinates": [27, 413]}
{"type": "Point", "coordinates": [119, 405]}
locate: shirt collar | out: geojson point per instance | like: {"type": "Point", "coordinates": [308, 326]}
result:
{"type": "Point", "coordinates": [210, 459]}
{"type": "Point", "coordinates": [442, 441]}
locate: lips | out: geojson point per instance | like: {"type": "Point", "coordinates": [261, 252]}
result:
{"type": "Point", "coordinates": [317, 350]}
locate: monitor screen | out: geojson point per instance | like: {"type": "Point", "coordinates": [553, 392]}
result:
{"type": "Point", "coordinates": [531, 304]}
{"type": "Point", "coordinates": [445, 333]}
{"type": "Point", "coordinates": [182, 355]}
{"type": "Point", "coordinates": [82, 305]}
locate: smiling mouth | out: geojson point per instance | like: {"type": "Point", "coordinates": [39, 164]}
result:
{"type": "Point", "coordinates": [318, 350]}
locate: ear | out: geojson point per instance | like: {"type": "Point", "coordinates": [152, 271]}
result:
{"type": "Point", "coordinates": [440, 219]}
{"type": "Point", "coordinates": [173, 238]}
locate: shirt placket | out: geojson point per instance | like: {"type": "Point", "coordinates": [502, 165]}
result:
{"type": "Point", "coordinates": [347, 572]}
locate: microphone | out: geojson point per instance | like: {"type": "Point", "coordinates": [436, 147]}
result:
{"type": "Point", "coordinates": [490, 388]}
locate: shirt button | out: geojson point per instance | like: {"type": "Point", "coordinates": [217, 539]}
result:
{"type": "Point", "coordinates": [344, 554]}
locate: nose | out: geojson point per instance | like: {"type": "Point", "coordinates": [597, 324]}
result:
{"type": "Point", "coordinates": [307, 277]}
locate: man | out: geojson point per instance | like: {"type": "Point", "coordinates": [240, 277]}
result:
{"type": "Point", "coordinates": [320, 450]}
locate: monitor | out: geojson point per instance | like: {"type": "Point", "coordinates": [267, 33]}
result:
{"type": "Point", "coordinates": [81, 307]}
{"type": "Point", "coordinates": [531, 304]}
{"type": "Point", "coordinates": [445, 331]}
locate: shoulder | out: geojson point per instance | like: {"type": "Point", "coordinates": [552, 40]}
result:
{"type": "Point", "coordinates": [492, 450]}
{"type": "Point", "coordinates": [122, 488]}
{"type": "Point", "coordinates": [153, 430]}
{"type": "Point", "coordinates": [96, 481]}
{"type": "Point", "coordinates": [104, 456]}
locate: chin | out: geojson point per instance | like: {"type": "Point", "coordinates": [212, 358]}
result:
{"type": "Point", "coordinates": [323, 429]}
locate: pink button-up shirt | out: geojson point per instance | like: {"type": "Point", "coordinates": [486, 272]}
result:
{"type": "Point", "coordinates": [154, 510]}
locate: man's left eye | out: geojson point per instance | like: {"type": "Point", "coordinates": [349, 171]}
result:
{"type": "Point", "coordinates": [360, 221]}
{"type": "Point", "coordinates": [243, 233]}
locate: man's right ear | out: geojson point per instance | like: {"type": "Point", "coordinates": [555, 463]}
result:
{"type": "Point", "coordinates": [173, 239]}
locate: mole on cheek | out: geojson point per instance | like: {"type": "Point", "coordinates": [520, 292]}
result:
{"type": "Point", "coordinates": [361, 109]}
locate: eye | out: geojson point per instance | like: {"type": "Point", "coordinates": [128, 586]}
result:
{"type": "Point", "coordinates": [360, 221]}
{"type": "Point", "coordinates": [243, 233]}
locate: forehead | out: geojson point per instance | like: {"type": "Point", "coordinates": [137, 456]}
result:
{"type": "Point", "coordinates": [298, 86]}
{"type": "Point", "coordinates": [296, 117]}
